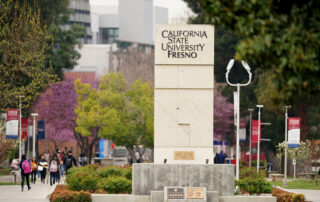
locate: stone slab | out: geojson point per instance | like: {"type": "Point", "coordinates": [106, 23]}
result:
{"type": "Point", "coordinates": [119, 198]}
{"type": "Point", "coordinates": [154, 177]}
{"type": "Point", "coordinates": [247, 199]}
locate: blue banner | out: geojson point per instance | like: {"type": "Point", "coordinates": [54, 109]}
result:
{"type": "Point", "coordinates": [41, 130]}
{"type": "Point", "coordinates": [101, 148]}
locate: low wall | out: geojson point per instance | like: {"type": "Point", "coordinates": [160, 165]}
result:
{"type": "Point", "coordinates": [133, 198]}
{"type": "Point", "coordinates": [147, 177]}
{"type": "Point", "coordinates": [247, 199]}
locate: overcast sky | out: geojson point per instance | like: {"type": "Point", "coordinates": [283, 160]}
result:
{"type": "Point", "coordinates": [177, 8]}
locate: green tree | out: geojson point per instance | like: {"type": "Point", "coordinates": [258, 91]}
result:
{"type": "Point", "coordinates": [23, 52]}
{"type": "Point", "coordinates": [116, 112]}
{"type": "Point", "coordinates": [55, 15]}
{"type": "Point", "coordinates": [281, 37]}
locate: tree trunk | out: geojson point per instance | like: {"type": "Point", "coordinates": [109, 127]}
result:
{"type": "Point", "coordinates": [302, 113]}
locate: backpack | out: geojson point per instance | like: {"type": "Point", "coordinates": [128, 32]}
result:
{"type": "Point", "coordinates": [69, 162]}
{"type": "Point", "coordinates": [34, 166]}
{"type": "Point", "coordinates": [83, 161]}
{"type": "Point", "coordinates": [26, 167]}
{"type": "Point", "coordinates": [53, 166]}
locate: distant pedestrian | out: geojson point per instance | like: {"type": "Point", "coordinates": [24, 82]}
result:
{"type": "Point", "coordinates": [221, 157]}
{"type": "Point", "coordinates": [25, 171]}
{"type": "Point", "coordinates": [53, 168]}
{"type": "Point", "coordinates": [215, 160]}
{"type": "Point", "coordinates": [34, 167]}
{"type": "Point", "coordinates": [137, 157]}
{"type": "Point", "coordinates": [47, 156]}
{"type": "Point", "coordinates": [43, 165]}
{"type": "Point", "coordinates": [82, 160]}
{"type": "Point", "coordinates": [15, 163]}
{"type": "Point", "coordinates": [69, 161]}
{"type": "Point", "coordinates": [62, 166]}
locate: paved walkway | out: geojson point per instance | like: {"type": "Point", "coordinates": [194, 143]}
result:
{"type": "Point", "coordinates": [310, 195]}
{"type": "Point", "coordinates": [38, 193]}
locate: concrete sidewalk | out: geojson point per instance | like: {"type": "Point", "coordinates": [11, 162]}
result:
{"type": "Point", "coordinates": [38, 193]}
{"type": "Point", "coordinates": [310, 195]}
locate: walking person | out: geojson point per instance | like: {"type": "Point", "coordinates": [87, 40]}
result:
{"type": "Point", "coordinates": [69, 161]}
{"type": "Point", "coordinates": [34, 168]}
{"type": "Point", "coordinates": [25, 171]}
{"type": "Point", "coordinates": [62, 166]}
{"type": "Point", "coordinates": [43, 164]}
{"type": "Point", "coordinates": [53, 169]}
{"type": "Point", "coordinates": [82, 160]}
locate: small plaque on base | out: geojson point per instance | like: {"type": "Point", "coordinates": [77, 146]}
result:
{"type": "Point", "coordinates": [195, 192]}
{"type": "Point", "coordinates": [175, 193]}
{"type": "Point", "coordinates": [183, 155]}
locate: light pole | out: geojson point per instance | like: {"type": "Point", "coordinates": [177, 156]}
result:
{"type": "Point", "coordinates": [259, 125]}
{"type": "Point", "coordinates": [285, 182]}
{"type": "Point", "coordinates": [246, 66]}
{"type": "Point", "coordinates": [20, 132]}
{"type": "Point", "coordinates": [250, 110]}
{"type": "Point", "coordinates": [34, 135]}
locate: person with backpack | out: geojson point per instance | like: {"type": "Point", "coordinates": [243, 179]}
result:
{"type": "Point", "coordinates": [69, 161]}
{"type": "Point", "coordinates": [34, 168]}
{"type": "Point", "coordinates": [53, 169]}
{"type": "Point", "coordinates": [25, 171]}
{"type": "Point", "coordinates": [82, 160]}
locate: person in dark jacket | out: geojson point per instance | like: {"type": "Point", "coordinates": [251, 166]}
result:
{"type": "Point", "coordinates": [43, 164]}
{"type": "Point", "coordinates": [69, 161]}
{"type": "Point", "coordinates": [23, 174]}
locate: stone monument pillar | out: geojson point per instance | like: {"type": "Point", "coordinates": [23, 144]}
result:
{"type": "Point", "coordinates": [183, 110]}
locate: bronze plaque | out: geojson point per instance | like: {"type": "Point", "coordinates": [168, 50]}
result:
{"type": "Point", "coordinates": [195, 193]}
{"type": "Point", "coordinates": [175, 193]}
{"type": "Point", "coordinates": [183, 155]}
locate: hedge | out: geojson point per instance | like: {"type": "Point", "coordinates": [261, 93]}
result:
{"type": "Point", "coordinates": [284, 196]}
{"type": "Point", "coordinates": [63, 194]}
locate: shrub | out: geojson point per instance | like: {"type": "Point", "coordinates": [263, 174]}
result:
{"type": "Point", "coordinates": [250, 172]}
{"type": "Point", "coordinates": [243, 163]}
{"type": "Point", "coordinates": [262, 163]}
{"type": "Point", "coordinates": [284, 196]}
{"type": "Point", "coordinates": [127, 173]}
{"type": "Point", "coordinates": [62, 194]}
{"type": "Point", "coordinates": [115, 185]}
{"type": "Point", "coordinates": [82, 180]}
{"type": "Point", "coordinates": [254, 185]}
{"type": "Point", "coordinates": [110, 171]}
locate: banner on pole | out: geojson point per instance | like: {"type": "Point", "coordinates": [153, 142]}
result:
{"type": "Point", "coordinates": [41, 130]}
{"type": "Point", "coordinates": [12, 125]}
{"type": "Point", "coordinates": [30, 127]}
{"type": "Point", "coordinates": [294, 132]}
{"type": "Point", "coordinates": [255, 125]}
{"type": "Point", "coordinates": [242, 131]}
{"type": "Point", "coordinates": [24, 128]}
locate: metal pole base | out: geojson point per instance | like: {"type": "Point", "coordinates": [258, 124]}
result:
{"type": "Point", "coordinates": [285, 183]}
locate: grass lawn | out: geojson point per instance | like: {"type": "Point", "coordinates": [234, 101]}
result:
{"type": "Point", "coordinates": [4, 171]}
{"type": "Point", "coordinates": [299, 184]}
{"type": "Point", "coordinates": [7, 183]}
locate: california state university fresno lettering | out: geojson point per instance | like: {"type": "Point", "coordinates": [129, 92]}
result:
{"type": "Point", "coordinates": [177, 43]}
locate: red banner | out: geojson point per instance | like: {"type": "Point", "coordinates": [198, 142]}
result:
{"type": "Point", "coordinates": [24, 128]}
{"type": "Point", "coordinates": [12, 123]}
{"type": "Point", "coordinates": [255, 125]}
{"type": "Point", "coordinates": [294, 132]}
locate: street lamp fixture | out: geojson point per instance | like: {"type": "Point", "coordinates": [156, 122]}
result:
{"type": "Point", "coordinates": [259, 125]}
{"type": "Point", "coordinates": [285, 182]}
{"type": "Point", "coordinates": [34, 135]}
{"type": "Point", "coordinates": [247, 68]}
{"type": "Point", "coordinates": [250, 136]}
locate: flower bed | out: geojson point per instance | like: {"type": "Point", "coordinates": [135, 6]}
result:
{"type": "Point", "coordinates": [63, 194]}
{"type": "Point", "coordinates": [284, 196]}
